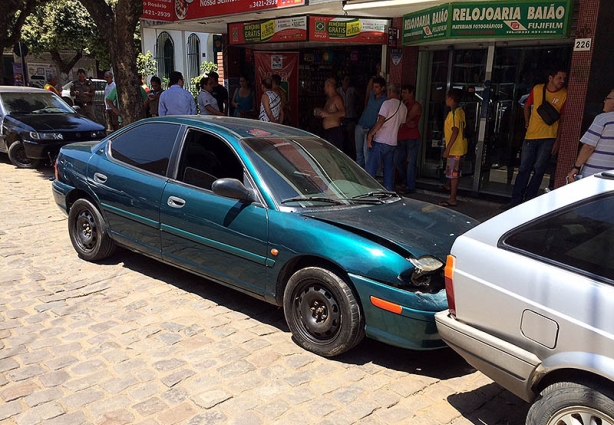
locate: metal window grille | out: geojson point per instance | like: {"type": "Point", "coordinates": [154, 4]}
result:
{"type": "Point", "coordinates": [193, 57]}
{"type": "Point", "coordinates": [165, 54]}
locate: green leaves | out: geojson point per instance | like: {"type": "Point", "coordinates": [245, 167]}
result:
{"type": "Point", "coordinates": [146, 64]}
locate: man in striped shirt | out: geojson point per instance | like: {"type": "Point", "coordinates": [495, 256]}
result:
{"type": "Point", "coordinates": [597, 153]}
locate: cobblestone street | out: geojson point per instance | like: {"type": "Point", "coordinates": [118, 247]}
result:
{"type": "Point", "coordinates": [133, 341]}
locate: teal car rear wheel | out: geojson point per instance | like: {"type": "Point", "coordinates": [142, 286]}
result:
{"type": "Point", "coordinates": [87, 231]}
{"type": "Point", "coordinates": [322, 312]}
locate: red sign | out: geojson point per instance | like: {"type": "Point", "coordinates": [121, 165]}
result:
{"type": "Point", "coordinates": [286, 65]}
{"type": "Point", "coordinates": [158, 10]}
{"type": "Point", "coordinates": [268, 31]}
{"type": "Point", "coordinates": [196, 9]}
{"type": "Point", "coordinates": [348, 30]}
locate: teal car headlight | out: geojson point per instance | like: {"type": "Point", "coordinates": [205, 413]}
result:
{"type": "Point", "coordinates": [46, 136]}
{"type": "Point", "coordinates": [426, 275]}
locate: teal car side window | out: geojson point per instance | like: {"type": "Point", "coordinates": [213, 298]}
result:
{"type": "Point", "coordinates": [147, 147]}
{"type": "Point", "coordinates": [206, 158]}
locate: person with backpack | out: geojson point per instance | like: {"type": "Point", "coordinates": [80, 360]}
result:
{"type": "Point", "coordinates": [543, 111]}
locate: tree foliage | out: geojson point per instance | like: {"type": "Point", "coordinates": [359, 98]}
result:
{"type": "Point", "coordinates": [146, 64]}
{"type": "Point", "coordinates": [65, 26]}
{"type": "Point", "coordinates": [13, 14]}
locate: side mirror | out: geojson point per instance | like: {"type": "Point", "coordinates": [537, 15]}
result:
{"type": "Point", "coordinates": [232, 188]}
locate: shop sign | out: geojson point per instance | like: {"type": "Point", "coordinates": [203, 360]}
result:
{"type": "Point", "coordinates": [268, 31]}
{"type": "Point", "coordinates": [494, 19]}
{"type": "Point", "coordinates": [158, 10]}
{"type": "Point", "coordinates": [173, 10]}
{"type": "Point", "coordinates": [426, 25]}
{"type": "Point", "coordinates": [348, 30]}
{"type": "Point", "coordinates": [534, 18]}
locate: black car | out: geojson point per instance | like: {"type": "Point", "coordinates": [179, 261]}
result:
{"type": "Point", "coordinates": [36, 123]}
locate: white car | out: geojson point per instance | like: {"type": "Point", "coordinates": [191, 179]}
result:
{"type": "Point", "coordinates": [531, 302]}
{"type": "Point", "coordinates": [99, 86]}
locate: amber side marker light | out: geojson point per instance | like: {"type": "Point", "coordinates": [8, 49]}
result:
{"type": "Point", "coordinates": [55, 169]}
{"type": "Point", "coordinates": [448, 271]}
{"type": "Point", "coordinates": [386, 305]}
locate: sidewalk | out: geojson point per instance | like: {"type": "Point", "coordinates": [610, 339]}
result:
{"type": "Point", "coordinates": [477, 208]}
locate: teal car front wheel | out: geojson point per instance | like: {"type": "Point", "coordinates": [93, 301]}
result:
{"type": "Point", "coordinates": [322, 312]}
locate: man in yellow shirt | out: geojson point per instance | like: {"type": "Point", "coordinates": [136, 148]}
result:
{"type": "Point", "coordinates": [52, 81]}
{"type": "Point", "coordinates": [456, 144]}
{"type": "Point", "coordinates": [542, 140]}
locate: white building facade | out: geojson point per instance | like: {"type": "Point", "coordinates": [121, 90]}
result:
{"type": "Point", "coordinates": [176, 50]}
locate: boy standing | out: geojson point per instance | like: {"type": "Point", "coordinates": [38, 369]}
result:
{"type": "Point", "coordinates": [456, 144]}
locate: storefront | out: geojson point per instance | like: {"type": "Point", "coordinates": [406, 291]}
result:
{"type": "Point", "coordinates": [495, 53]}
{"type": "Point", "coordinates": [305, 51]}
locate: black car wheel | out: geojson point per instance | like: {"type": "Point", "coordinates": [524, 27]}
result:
{"type": "Point", "coordinates": [17, 155]}
{"type": "Point", "coordinates": [573, 403]}
{"type": "Point", "coordinates": [322, 312]}
{"type": "Point", "coordinates": [88, 233]}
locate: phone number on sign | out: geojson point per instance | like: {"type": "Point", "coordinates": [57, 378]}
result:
{"type": "Point", "coordinates": [262, 3]}
{"type": "Point", "coordinates": [157, 13]}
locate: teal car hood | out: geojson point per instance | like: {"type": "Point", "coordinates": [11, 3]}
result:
{"type": "Point", "coordinates": [418, 227]}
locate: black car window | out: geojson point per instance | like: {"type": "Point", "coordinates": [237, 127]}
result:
{"type": "Point", "coordinates": [146, 146]}
{"type": "Point", "coordinates": [206, 158]}
{"type": "Point", "coordinates": [581, 237]}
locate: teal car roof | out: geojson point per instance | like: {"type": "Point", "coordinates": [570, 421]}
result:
{"type": "Point", "coordinates": [241, 127]}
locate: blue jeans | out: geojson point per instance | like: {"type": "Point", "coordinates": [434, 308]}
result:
{"type": "Point", "coordinates": [382, 152]}
{"type": "Point", "coordinates": [407, 149]}
{"type": "Point", "coordinates": [534, 157]}
{"type": "Point", "coordinates": [362, 152]}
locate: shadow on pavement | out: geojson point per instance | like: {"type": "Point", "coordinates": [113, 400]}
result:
{"type": "Point", "coordinates": [501, 404]}
{"type": "Point", "coordinates": [440, 364]}
{"type": "Point", "coordinates": [44, 170]}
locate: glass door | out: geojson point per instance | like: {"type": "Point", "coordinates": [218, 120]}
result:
{"type": "Point", "coordinates": [463, 69]}
{"type": "Point", "coordinates": [515, 71]}
{"type": "Point", "coordinates": [494, 110]}
{"type": "Point", "coordinates": [434, 110]}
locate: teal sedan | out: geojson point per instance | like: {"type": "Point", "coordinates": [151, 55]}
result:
{"type": "Point", "coordinates": [269, 210]}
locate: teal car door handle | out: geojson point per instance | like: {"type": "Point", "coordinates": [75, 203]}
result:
{"type": "Point", "coordinates": [100, 178]}
{"type": "Point", "coordinates": [175, 202]}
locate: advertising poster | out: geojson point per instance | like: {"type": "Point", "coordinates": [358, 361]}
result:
{"type": "Point", "coordinates": [18, 78]}
{"type": "Point", "coordinates": [268, 31]}
{"type": "Point", "coordinates": [348, 30]}
{"type": "Point", "coordinates": [286, 65]}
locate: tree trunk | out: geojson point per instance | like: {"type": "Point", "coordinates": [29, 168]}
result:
{"type": "Point", "coordinates": [117, 27]}
{"type": "Point", "coordinates": [63, 66]}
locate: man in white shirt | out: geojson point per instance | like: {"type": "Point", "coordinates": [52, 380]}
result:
{"type": "Point", "coordinates": [382, 138]}
{"type": "Point", "coordinates": [207, 104]}
{"type": "Point", "coordinates": [111, 118]}
{"type": "Point", "coordinates": [597, 153]}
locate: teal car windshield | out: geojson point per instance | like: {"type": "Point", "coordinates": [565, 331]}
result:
{"type": "Point", "coordinates": [309, 172]}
